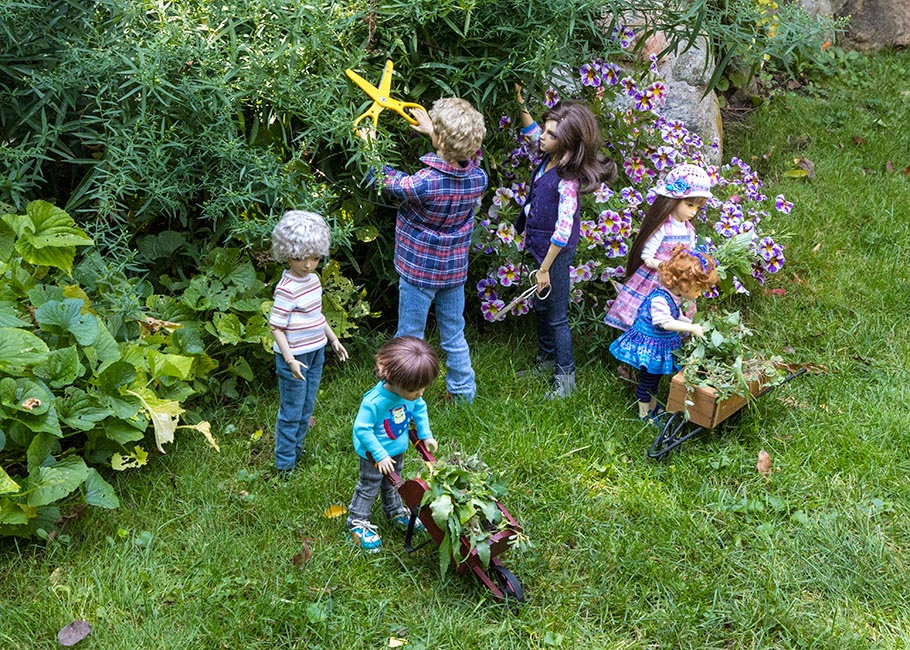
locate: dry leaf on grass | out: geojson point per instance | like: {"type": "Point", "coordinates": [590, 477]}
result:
{"type": "Point", "coordinates": [73, 633]}
{"type": "Point", "coordinates": [764, 463]}
{"type": "Point", "coordinates": [333, 512]}
{"type": "Point", "coordinates": [305, 553]}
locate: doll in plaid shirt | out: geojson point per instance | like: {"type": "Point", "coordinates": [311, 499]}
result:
{"type": "Point", "coordinates": [433, 232]}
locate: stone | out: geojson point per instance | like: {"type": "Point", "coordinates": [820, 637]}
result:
{"type": "Point", "coordinates": [876, 24]}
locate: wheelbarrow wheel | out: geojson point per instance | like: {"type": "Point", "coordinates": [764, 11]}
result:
{"type": "Point", "coordinates": [508, 583]}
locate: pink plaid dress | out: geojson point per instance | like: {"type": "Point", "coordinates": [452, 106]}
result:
{"type": "Point", "coordinates": [636, 289]}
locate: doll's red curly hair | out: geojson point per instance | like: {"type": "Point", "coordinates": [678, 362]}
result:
{"type": "Point", "coordinates": [687, 270]}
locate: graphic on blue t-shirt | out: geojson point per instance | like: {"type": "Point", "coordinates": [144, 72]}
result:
{"type": "Point", "coordinates": [397, 422]}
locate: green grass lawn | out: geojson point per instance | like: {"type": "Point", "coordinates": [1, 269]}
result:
{"type": "Point", "coordinates": [697, 551]}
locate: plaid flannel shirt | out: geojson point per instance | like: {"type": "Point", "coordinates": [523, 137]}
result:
{"type": "Point", "coordinates": [435, 220]}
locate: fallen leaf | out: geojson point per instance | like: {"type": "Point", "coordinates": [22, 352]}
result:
{"type": "Point", "coordinates": [31, 403]}
{"type": "Point", "coordinates": [333, 512]}
{"type": "Point", "coordinates": [305, 553]}
{"type": "Point", "coordinates": [71, 634]}
{"type": "Point", "coordinates": [395, 642]}
{"type": "Point", "coordinates": [775, 292]}
{"type": "Point", "coordinates": [788, 349]}
{"type": "Point", "coordinates": [798, 279]}
{"type": "Point", "coordinates": [858, 140]}
{"type": "Point", "coordinates": [827, 44]}
{"type": "Point", "coordinates": [809, 166]}
{"type": "Point", "coordinates": [889, 166]}
{"type": "Point", "coordinates": [862, 360]}
{"type": "Point", "coordinates": [764, 463]}
{"type": "Point", "coordinates": [907, 170]}
{"type": "Point", "coordinates": [816, 248]}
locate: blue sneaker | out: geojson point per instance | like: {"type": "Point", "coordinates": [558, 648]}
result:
{"type": "Point", "coordinates": [363, 534]}
{"type": "Point", "coordinates": [402, 520]}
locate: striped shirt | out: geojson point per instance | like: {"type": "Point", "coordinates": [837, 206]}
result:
{"type": "Point", "coordinates": [435, 220]}
{"type": "Point", "coordinates": [298, 311]}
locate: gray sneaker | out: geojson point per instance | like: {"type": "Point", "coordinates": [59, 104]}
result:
{"type": "Point", "coordinates": [563, 385]}
{"type": "Point", "coordinates": [542, 366]}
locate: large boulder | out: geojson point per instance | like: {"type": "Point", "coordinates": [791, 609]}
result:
{"type": "Point", "coordinates": [875, 24]}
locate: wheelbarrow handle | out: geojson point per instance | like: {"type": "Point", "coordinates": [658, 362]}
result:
{"type": "Point", "coordinates": [393, 476]}
{"type": "Point", "coordinates": [425, 453]}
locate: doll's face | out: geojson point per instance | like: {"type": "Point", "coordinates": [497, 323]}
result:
{"type": "Point", "coordinates": [548, 142]}
{"type": "Point", "coordinates": [409, 395]}
{"type": "Point", "coordinates": [302, 267]}
{"type": "Point", "coordinates": [691, 293]}
{"type": "Point", "coordinates": [686, 209]}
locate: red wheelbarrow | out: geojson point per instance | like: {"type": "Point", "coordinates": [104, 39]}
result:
{"type": "Point", "coordinates": [501, 582]}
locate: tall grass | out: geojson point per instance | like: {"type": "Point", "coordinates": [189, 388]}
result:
{"type": "Point", "coordinates": [698, 551]}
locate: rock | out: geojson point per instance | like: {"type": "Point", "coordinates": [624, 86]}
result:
{"type": "Point", "coordinates": [876, 24]}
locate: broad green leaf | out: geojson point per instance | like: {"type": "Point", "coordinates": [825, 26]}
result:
{"type": "Point", "coordinates": [41, 451]}
{"type": "Point", "coordinates": [188, 340]}
{"type": "Point", "coordinates": [19, 350]}
{"type": "Point", "coordinates": [47, 236]}
{"type": "Point", "coordinates": [164, 244]}
{"type": "Point", "coordinates": [483, 552]}
{"type": "Point", "coordinates": [164, 415]}
{"type": "Point", "coordinates": [241, 368]}
{"type": "Point", "coordinates": [12, 513]}
{"type": "Point", "coordinates": [7, 485]}
{"type": "Point", "coordinates": [441, 508]}
{"type": "Point", "coordinates": [169, 365]}
{"type": "Point", "coordinates": [116, 375]}
{"type": "Point", "coordinates": [25, 396]}
{"type": "Point", "coordinates": [9, 317]}
{"type": "Point", "coordinates": [123, 432]}
{"type": "Point", "coordinates": [99, 492]}
{"type": "Point", "coordinates": [104, 351]}
{"type": "Point", "coordinates": [227, 328]}
{"type": "Point", "coordinates": [60, 367]}
{"type": "Point", "coordinates": [55, 482]}
{"type": "Point", "coordinates": [7, 242]}
{"type": "Point", "coordinates": [80, 410]}
{"type": "Point", "coordinates": [69, 316]}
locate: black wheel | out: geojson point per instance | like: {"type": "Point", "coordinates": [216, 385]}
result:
{"type": "Point", "coordinates": [671, 425]}
{"type": "Point", "coordinates": [508, 583]}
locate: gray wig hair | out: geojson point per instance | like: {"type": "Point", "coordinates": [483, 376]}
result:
{"type": "Point", "coordinates": [300, 234]}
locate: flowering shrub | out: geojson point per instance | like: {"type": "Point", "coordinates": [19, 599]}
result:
{"type": "Point", "coordinates": [734, 225]}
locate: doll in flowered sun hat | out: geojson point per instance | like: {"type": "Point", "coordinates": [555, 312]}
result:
{"type": "Point", "coordinates": [680, 195]}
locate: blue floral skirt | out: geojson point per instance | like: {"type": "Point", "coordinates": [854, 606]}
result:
{"type": "Point", "coordinates": [654, 354]}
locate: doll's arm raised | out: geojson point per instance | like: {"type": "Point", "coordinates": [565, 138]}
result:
{"type": "Point", "coordinates": [524, 116]}
{"type": "Point", "coordinates": [424, 123]}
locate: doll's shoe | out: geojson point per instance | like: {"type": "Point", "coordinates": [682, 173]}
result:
{"type": "Point", "coordinates": [403, 519]}
{"type": "Point", "coordinates": [363, 534]}
{"type": "Point", "coordinates": [457, 398]}
{"type": "Point", "coordinates": [563, 385]}
{"type": "Point", "coordinates": [542, 366]}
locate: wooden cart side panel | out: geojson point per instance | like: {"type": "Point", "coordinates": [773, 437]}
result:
{"type": "Point", "coordinates": [706, 411]}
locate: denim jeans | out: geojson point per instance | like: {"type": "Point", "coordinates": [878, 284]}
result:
{"type": "Point", "coordinates": [369, 483]}
{"type": "Point", "coordinates": [297, 399]}
{"type": "Point", "coordinates": [554, 340]}
{"type": "Point", "coordinates": [413, 307]}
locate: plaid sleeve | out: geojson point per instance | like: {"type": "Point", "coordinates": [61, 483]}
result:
{"type": "Point", "coordinates": [412, 189]}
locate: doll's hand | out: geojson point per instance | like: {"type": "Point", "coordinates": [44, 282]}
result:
{"type": "Point", "coordinates": [543, 280]}
{"type": "Point", "coordinates": [367, 134]}
{"type": "Point", "coordinates": [297, 368]}
{"type": "Point", "coordinates": [386, 466]}
{"type": "Point", "coordinates": [697, 330]}
{"type": "Point", "coordinates": [424, 123]}
{"type": "Point", "coordinates": [431, 445]}
{"type": "Point", "coordinates": [339, 350]}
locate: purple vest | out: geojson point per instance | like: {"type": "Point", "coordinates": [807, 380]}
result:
{"type": "Point", "coordinates": [541, 221]}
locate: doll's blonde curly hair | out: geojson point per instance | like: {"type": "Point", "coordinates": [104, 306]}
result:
{"type": "Point", "coordinates": [458, 127]}
{"type": "Point", "coordinates": [687, 270]}
{"type": "Point", "coordinates": [300, 234]}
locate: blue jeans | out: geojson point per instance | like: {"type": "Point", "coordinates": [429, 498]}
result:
{"type": "Point", "coordinates": [413, 308]}
{"type": "Point", "coordinates": [297, 399]}
{"type": "Point", "coordinates": [554, 340]}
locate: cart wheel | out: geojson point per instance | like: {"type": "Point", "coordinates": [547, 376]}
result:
{"type": "Point", "coordinates": [509, 584]}
{"type": "Point", "coordinates": [671, 425]}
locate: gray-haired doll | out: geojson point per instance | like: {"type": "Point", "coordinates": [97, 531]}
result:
{"type": "Point", "coordinates": [301, 239]}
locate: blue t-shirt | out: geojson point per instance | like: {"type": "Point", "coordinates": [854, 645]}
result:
{"type": "Point", "coordinates": [381, 425]}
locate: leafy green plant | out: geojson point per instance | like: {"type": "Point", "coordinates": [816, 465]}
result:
{"type": "Point", "coordinates": [71, 393]}
{"type": "Point", "coordinates": [462, 497]}
{"type": "Point", "coordinates": [722, 360]}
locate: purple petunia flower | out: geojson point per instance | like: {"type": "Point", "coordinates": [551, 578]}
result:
{"type": "Point", "coordinates": [603, 193]}
{"type": "Point", "coordinates": [629, 86]}
{"type": "Point", "coordinates": [610, 74]}
{"type": "Point", "coordinates": [782, 204]}
{"type": "Point", "coordinates": [631, 196]}
{"type": "Point", "coordinates": [616, 247]}
{"type": "Point", "coordinates": [505, 122]}
{"type": "Point", "coordinates": [508, 274]}
{"type": "Point", "coordinates": [490, 308]}
{"type": "Point", "coordinates": [664, 157]}
{"type": "Point", "coordinates": [551, 98]}
{"type": "Point", "coordinates": [502, 196]}
{"type": "Point", "coordinates": [486, 289]}
{"type": "Point", "coordinates": [590, 75]}
{"type": "Point", "coordinates": [506, 233]}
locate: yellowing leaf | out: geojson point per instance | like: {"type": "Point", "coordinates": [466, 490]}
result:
{"type": "Point", "coordinates": [256, 435]}
{"type": "Point", "coordinates": [164, 415]}
{"type": "Point", "coordinates": [796, 173]}
{"type": "Point", "coordinates": [333, 512]}
{"type": "Point", "coordinates": [205, 429]}
{"type": "Point", "coordinates": [395, 642]}
{"type": "Point", "coordinates": [138, 458]}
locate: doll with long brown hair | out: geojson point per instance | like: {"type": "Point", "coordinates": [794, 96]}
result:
{"type": "Point", "coordinates": [680, 195]}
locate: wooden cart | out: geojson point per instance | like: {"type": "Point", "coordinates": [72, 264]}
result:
{"type": "Point", "coordinates": [680, 421]}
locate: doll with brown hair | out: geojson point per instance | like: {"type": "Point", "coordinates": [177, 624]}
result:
{"type": "Point", "coordinates": [649, 344]}
{"type": "Point", "coordinates": [668, 222]}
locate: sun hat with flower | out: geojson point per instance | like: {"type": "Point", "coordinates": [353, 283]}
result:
{"type": "Point", "coordinates": [685, 181]}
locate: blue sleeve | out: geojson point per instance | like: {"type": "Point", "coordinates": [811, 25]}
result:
{"type": "Point", "coordinates": [364, 435]}
{"type": "Point", "coordinates": [422, 419]}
